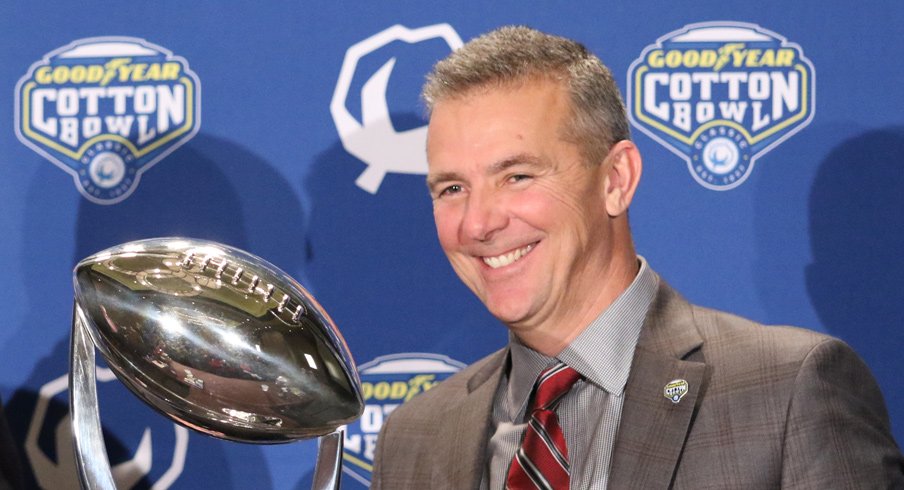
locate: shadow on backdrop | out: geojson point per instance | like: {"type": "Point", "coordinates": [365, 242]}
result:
{"type": "Point", "coordinates": [856, 228]}
{"type": "Point", "coordinates": [10, 468]}
{"type": "Point", "coordinates": [381, 272]}
{"type": "Point", "coordinates": [393, 289]}
{"type": "Point", "coordinates": [46, 455]}
{"type": "Point", "coordinates": [212, 189]}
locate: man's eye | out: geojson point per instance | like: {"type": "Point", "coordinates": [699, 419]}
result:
{"type": "Point", "coordinates": [519, 177]}
{"type": "Point", "coordinates": [452, 189]}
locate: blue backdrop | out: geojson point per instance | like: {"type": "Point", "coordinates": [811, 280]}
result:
{"type": "Point", "coordinates": [253, 124]}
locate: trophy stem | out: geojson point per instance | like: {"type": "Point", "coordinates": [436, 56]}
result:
{"type": "Point", "coordinates": [328, 470]}
{"type": "Point", "coordinates": [90, 454]}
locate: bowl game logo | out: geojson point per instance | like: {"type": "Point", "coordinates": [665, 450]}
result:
{"type": "Point", "coordinates": [387, 382]}
{"type": "Point", "coordinates": [720, 95]}
{"type": "Point", "coordinates": [106, 109]}
{"type": "Point", "coordinates": [374, 139]}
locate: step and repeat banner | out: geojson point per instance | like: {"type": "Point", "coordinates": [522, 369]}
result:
{"type": "Point", "coordinates": [772, 135]}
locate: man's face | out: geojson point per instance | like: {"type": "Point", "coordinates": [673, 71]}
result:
{"type": "Point", "coordinates": [520, 216]}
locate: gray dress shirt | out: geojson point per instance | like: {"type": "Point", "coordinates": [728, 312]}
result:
{"type": "Point", "coordinates": [590, 413]}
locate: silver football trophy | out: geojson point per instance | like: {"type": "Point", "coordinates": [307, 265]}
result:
{"type": "Point", "coordinates": [214, 338]}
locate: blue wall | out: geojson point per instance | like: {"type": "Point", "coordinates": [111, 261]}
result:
{"type": "Point", "coordinates": [811, 237]}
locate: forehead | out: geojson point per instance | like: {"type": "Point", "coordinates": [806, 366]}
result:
{"type": "Point", "coordinates": [487, 122]}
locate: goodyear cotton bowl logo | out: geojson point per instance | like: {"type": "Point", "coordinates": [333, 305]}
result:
{"type": "Point", "coordinates": [106, 109]}
{"type": "Point", "coordinates": [721, 95]}
{"type": "Point", "coordinates": [387, 382]}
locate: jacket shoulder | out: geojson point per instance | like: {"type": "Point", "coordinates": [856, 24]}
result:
{"type": "Point", "coordinates": [726, 334]}
{"type": "Point", "coordinates": [800, 406]}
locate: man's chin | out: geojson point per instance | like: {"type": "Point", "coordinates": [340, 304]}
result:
{"type": "Point", "coordinates": [510, 313]}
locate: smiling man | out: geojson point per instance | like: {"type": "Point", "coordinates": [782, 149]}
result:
{"type": "Point", "coordinates": [523, 219]}
{"type": "Point", "coordinates": [610, 378]}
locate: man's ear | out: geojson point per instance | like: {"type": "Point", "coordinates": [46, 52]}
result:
{"type": "Point", "coordinates": [623, 166]}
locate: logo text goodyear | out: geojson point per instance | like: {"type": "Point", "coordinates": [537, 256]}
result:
{"type": "Point", "coordinates": [721, 95]}
{"type": "Point", "coordinates": [115, 70]}
{"type": "Point", "coordinates": [729, 55]}
{"type": "Point", "coordinates": [400, 391]}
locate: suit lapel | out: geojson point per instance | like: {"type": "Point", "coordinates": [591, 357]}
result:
{"type": "Point", "coordinates": [652, 432]}
{"type": "Point", "coordinates": [653, 429]}
{"type": "Point", "coordinates": [464, 429]}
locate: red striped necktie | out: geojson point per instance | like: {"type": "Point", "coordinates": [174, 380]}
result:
{"type": "Point", "coordinates": [542, 460]}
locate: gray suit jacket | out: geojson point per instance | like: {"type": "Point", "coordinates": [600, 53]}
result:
{"type": "Point", "coordinates": [768, 407]}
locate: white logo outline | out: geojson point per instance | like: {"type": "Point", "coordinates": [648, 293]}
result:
{"type": "Point", "coordinates": [374, 141]}
{"type": "Point", "coordinates": [126, 474]}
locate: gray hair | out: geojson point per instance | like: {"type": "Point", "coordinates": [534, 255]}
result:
{"type": "Point", "coordinates": [512, 55]}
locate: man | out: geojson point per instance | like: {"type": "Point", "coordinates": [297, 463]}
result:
{"type": "Point", "coordinates": [532, 172]}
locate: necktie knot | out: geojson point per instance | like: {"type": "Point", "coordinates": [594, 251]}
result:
{"type": "Point", "coordinates": [542, 460]}
{"type": "Point", "coordinates": [552, 384]}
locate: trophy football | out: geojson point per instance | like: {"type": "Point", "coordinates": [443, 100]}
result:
{"type": "Point", "coordinates": [214, 338]}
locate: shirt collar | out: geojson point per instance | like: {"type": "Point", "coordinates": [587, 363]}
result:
{"type": "Point", "coordinates": [602, 353]}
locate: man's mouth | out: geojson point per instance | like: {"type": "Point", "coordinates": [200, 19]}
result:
{"type": "Point", "coordinates": [508, 258]}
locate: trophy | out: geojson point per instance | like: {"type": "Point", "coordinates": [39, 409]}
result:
{"type": "Point", "coordinates": [217, 340]}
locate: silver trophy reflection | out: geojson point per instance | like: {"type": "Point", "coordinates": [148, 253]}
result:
{"type": "Point", "coordinates": [214, 338]}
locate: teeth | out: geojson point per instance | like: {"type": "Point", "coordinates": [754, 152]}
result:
{"type": "Point", "coordinates": [507, 259]}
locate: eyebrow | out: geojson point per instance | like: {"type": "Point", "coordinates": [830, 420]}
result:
{"type": "Point", "coordinates": [495, 168]}
{"type": "Point", "coordinates": [436, 179]}
{"type": "Point", "coordinates": [514, 161]}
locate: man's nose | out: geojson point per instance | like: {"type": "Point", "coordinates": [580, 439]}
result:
{"type": "Point", "coordinates": [485, 214]}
